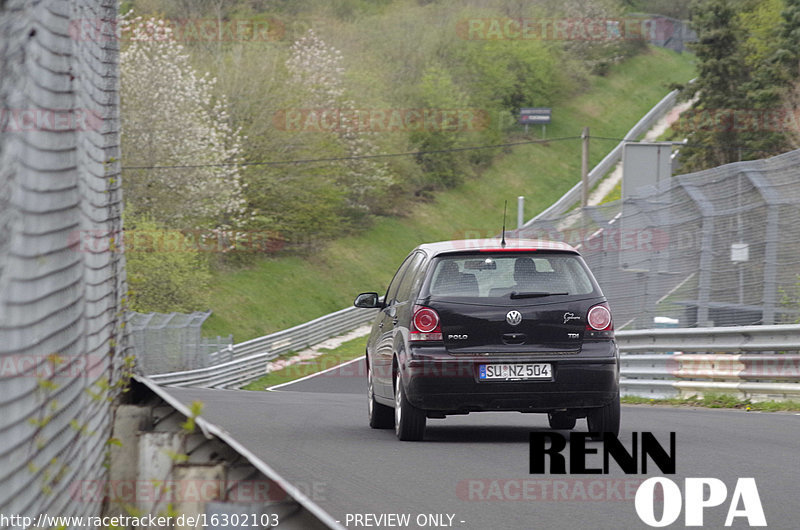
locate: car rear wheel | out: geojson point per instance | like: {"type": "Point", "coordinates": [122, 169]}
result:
{"type": "Point", "coordinates": [409, 421]}
{"type": "Point", "coordinates": [380, 416]}
{"type": "Point", "coordinates": [561, 421]}
{"type": "Point", "coordinates": [604, 419]}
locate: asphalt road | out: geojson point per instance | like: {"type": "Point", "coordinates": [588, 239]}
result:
{"type": "Point", "coordinates": [475, 468]}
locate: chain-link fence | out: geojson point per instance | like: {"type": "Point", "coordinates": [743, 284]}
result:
{"type": "Point", "coordinates": [62, 337]}
{"type": "Point", "coordinates": [717, 247]}
{"type": "Point", "coordinates": [172, 342]}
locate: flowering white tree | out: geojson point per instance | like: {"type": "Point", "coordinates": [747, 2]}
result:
{"type": "Point", "coordinates": [316, 70]}
{"type": "Point", "coordinates": [171, 117]}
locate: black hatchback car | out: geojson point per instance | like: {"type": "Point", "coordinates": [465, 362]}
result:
{"type": "Point", "coordinates": [478, 325]}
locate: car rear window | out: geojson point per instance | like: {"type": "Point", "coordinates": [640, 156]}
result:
{"type": "Point", "coordinates": [497, 276]}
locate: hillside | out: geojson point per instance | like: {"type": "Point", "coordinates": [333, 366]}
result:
{"type": "Point", "coordinates": [277, 292]}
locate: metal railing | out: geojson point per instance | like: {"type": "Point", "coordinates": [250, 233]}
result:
{"type": "Point", "coordinates": [748, 360]}
{"type": "Point", "coordinates": [250, 358]}
{"type": "Point", "coordinates": [733, 339]}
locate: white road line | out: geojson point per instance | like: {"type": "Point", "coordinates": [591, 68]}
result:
{"type": "Point", "coordinates": [272, 388]}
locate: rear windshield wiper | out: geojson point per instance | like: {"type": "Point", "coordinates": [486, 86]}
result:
{"type": "Point", "coordinates": [515, 295]}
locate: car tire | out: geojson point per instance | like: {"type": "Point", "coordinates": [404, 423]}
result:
{"type": "Point", "coordinates": [380, 416]}
{"type": "Point", "coordinates": [409, 421]}
{"type": "Point", "coordinates": [561, 421]}
{"type": "Point", "coordinates": [604, 419]}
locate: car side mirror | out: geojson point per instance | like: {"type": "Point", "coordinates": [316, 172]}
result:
{"type": "Point", "coordinates": [368, 301]}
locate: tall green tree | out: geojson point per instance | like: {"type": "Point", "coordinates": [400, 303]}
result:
{"type": "Point", "coordinates": [718, 87]}
{"type": "Point", "coordinates": [786, 60]}
{"type": "Point", "coordinates": [747, 69]}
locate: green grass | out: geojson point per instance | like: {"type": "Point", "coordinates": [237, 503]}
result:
{"type": "Point", "coordinates": [279, 292]}
{"type": "Point", "coordinates": [717, 401]}
{"type": "Point", "coordinates": [347, 351]}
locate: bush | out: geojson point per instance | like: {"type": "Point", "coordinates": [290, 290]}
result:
{"type": "Point", "coordinates": [166, 271]}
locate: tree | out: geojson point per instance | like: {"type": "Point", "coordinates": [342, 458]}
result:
{"type": "Point", "coordinates": [598, 54]}
{"type": "Point", "coordinates": [437, 90]}
{"type": "Point", "coordinates": [747, 62]}
{"type": "Point", "coordinates": [172, 117]}
{"type": "Point", "coordinates": [316, 72]}
{"type": "Point", "coordinates": [719, 84]}
{"type": "Point", "coordinates": [786, 59]}
{"type": "Point", "coordinates": [165, 270]}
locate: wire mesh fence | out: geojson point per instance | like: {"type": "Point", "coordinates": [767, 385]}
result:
{"type": "Point", "coordinates": [169, 342]}
{"type": "Point", "coordinates": [62, 340]}
{"type": "Point", "coordinates": [717, 247]}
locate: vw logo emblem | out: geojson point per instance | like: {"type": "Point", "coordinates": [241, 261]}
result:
{"type": "Point", "coordinates": [514, 317]}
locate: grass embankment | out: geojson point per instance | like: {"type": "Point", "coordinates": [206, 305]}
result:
{"type": "Point", "coordinates": [276, 293]}
{"type": "Point", "coordinates": [336, 356]}
{"type": "Point", "coordinates": [717, 401]}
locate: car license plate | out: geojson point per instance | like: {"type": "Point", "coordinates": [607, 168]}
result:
{"type": "Point", "coordinates": [515, 371]}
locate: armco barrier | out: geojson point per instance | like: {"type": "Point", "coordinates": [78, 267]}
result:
{"type": "Point", "coordinates": [733, 339]}
{"type": "Point", "coordinates": [250, 358]}
{"type": "Point", "coordinates": [744, 360]}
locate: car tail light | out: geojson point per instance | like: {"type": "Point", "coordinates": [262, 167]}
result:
{"type": "Point", "coordinates": [425, 324]}
{"type": "Point", "coordinates": [599, 318]}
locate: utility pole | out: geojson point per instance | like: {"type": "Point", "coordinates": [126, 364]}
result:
{"type": "Point", "coordinates": [585, 168]}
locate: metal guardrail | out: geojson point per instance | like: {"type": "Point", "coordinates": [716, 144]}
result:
{"type": "Point", "coordinates": [741, 360]}
{"type": "Point", "coordinates": [728, 339]}
{"type": "Point", "coordinates": [572, 196]}
{"type": "Point", "coordinates": [250, 358]}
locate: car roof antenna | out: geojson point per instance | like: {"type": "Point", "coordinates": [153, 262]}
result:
{"type": "Point", "coordinates": [503, 241]}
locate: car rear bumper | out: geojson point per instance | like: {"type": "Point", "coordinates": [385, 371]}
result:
{"type": "Point", "coordinates": [450, 384]}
